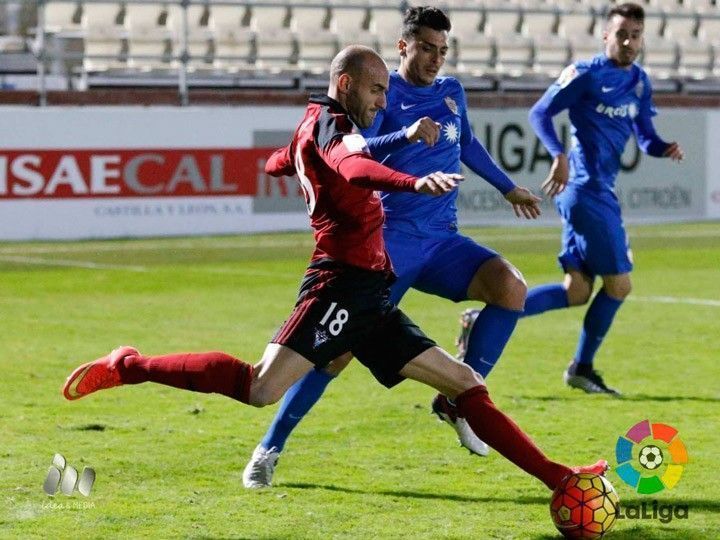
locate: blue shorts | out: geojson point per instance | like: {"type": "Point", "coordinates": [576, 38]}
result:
{"type": "Point", "coordinates": [443, 266]}
{"type": "Point", "coordinates": [594, 240]}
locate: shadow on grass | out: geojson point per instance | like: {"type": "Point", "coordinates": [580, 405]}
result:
{"type": "Point", "coordinates": [627, 397]}
{"type": "Point", "coordinates": [417, 494]}
{"type": "Point", "coordinates": [645, 531]}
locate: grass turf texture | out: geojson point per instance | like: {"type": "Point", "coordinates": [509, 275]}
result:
{"type": "Point", "coordinates": [366, 463]}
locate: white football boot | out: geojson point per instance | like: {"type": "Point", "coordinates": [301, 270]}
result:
{"type": "Point", "coordinates": [447, 412]}
{"type": "Point", "coordinates": [259, 471]}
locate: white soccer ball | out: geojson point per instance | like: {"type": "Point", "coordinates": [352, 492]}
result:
{"type": "Point", "coordinates": [651, 457]}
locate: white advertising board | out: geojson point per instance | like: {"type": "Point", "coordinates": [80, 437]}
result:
{"type": "Point", "coordinates": [104, 172]}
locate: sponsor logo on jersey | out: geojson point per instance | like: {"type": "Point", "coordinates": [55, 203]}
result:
{"type": "Point", "coordinates": [450, 102]}
{"type": "Point", "coordinates": [621, 111]}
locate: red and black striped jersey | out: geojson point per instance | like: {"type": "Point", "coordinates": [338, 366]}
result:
{"type": "Point", "coordinates": [339, 178]}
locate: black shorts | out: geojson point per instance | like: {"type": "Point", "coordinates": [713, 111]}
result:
{"type": "Point", "coordinates": [343, 308]}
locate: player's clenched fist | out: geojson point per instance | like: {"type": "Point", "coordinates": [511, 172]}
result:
{"type": "Point", "coordinates": [438, 183]}
{"type": "Point", "coordinates": [425, 130]}
{"type": "Point", "coordinates": [674, 151]}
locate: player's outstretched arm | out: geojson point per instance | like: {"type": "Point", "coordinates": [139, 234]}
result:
{"type": "Point", "coordinates": [674, 151]}
{"type": "Point", "coordinates": [558, 178]}
{"type": "Point", "coordinates": [524, 202]}
{"type": "Point", "coordinates": [437, 183]}
{"type": "Point", "coordinates": [280, 163]}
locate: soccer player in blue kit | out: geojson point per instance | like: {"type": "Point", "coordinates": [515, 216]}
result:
{"type": "Point", "coordinates": [608, 98]}
{"type": "Point", "coordinates": [425, 127]}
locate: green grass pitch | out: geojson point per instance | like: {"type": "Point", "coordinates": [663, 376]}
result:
{"type": "Point", "coordinates": [367, 462]}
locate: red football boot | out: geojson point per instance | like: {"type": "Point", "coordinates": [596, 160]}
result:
{"type": "Point", "coordinates": [96, 375]}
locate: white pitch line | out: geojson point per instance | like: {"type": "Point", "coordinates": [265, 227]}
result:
{"type": "Point", "coordinates": [154, 246]}
{"type": "Point", "coordinates": [75, 264]}
{"type": "Point", "coordinates": [241, 271]}
{"type": "Point", "coordinates": [130, 268]}
{"type": "Point", "coordinates": [248, 243]}
{"type": "Point", "coordinates": [677, 300]}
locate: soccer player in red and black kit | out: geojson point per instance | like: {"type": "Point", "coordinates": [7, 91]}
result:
{"type": "Point", "coordinates": [343, 305]}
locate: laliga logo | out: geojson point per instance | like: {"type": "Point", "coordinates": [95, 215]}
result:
{"type": "Point", "coordinates": [650, 457]}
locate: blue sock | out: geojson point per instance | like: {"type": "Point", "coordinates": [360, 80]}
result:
{"type": "Point", "coordinates": [544, 298]}
{"type": "Point", "coordinates": [490, 333]}
{"type": "Point", "coordinates": [597, 322]}
{"type": "Point", "coordinates": [299, 399]}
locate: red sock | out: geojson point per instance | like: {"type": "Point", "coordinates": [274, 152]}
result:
{"type": "Point", "coordinates": [499, 431]}
{"type": "Point", "coordinates": [201, 372]}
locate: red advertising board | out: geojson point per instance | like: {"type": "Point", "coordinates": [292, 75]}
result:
{"type": "Point", "coordinates": [88, 173]}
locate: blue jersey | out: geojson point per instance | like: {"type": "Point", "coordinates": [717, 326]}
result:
{"type": "Point", "coordinates": [443, 101]}
{"type": "Point", "coordinates": [606, 104]}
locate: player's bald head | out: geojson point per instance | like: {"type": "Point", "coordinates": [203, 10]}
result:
{"type": "Point", "coordinates": [354, 60]}
{"type": "Point", "coordinates": [358, 81]}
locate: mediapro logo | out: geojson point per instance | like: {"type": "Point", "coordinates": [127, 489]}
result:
{"type": "Point", "coordinates": [64, 476]}
{"type": "Point", "coordinates": [650, 457]}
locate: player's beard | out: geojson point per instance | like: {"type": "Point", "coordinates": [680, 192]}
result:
{"type": "Point", "coordinates": [357, 111]}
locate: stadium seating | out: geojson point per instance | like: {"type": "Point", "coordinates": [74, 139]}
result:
{"type": "Point", "coordinates": [105, 38]}
{"type": "Point", "coordinates": [149, 38]}
{"type": "Point", "coordinates": [551, 47]}
{"type": "Point", "coordinates": [490, 39]}
{"type": "Point", "coordinates": [62, 17]}
{"type": "Point", "coordinates": [275, 44]}
{"type": "Point", "coordinates": [349, 22]}
{"type": "Point", "coordinates": [513, 46]}
{"type": "Point", "coordinates": [386, 24]}
{"type": "Point", "coordinates": [474, 51]}
{"type": "Point", "coordinates": [316, 42]}
{"type": "Point", "coordinates": [233, 42]}
{"type": "Point", "coordinates": [199, 35]}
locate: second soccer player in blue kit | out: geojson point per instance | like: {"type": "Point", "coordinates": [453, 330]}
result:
{"type": "Point", "coordinates": [425, 128]}
{"type": "Point", "coordinates": [608, 98]}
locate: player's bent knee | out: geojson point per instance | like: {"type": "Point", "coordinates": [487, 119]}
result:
{"type": "Point", "coordinates": [619, 291]}
{"type": "Point", "coordinates": [336, 367]}
{"type": "Point", "coordinates": [465, 378]}
{"type": "Point", "coordinates": [262, 395]}
{"type": "Point", "coordinates": [507, 287]}
{"type": "Point", "coordinates": [578, 293]}
{"type": "Point", "coordinates": [578, 298]}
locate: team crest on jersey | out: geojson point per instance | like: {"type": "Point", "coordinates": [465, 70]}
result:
{"type": "Point", "coordinates": [450, 102]}
{"type": "Point", "coordinates": [567, 75]}
{"type": "Point", "coordinates": [320, 337]}
{"type": "Point", "coordinates": [640, 89]}
{"type": "Point", "coordinates": [355, 143]}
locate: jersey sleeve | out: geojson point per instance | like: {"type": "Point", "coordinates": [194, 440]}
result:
{"type": "Point", "coordinates": [382, 146]}
{"type": "Point", "coordinates": [280, 163]}
{"type": "Point", "coordinates": [476, 157]}
{"type": "Point", "coordinates": [562, 94]}
{"type": "Point", "coordinates": [349, 156]}
{"type": "Point", "coordinates": [648, 139]}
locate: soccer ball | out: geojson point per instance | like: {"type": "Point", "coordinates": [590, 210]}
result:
{"type": "Point", "coordinates": [584, 505]}
{"type": "Point", "coordinates": [651, 457]}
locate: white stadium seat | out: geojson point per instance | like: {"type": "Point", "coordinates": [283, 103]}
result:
{"type": "Point", "coordinates": [149, 40]}
{"type": "Point", "coordinates": [103, 35]}
{"type": "Point", "coordinates": [232, 38]}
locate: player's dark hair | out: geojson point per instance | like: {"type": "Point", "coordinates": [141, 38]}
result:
{"type": "Point", "coordinates": [627, 10]}
{"type": "Point", "coordinates": [427, 16]}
